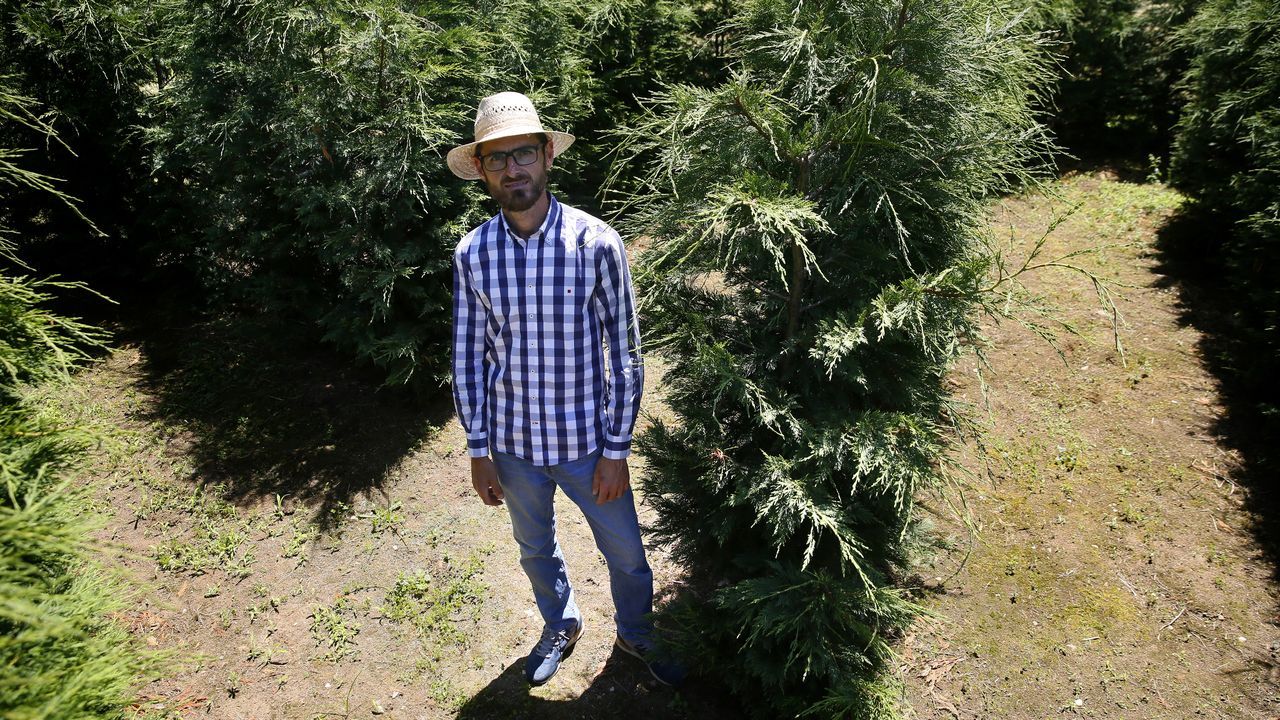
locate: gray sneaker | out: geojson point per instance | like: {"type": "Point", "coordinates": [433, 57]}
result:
{"type": "Point", "coordinates": [665, 671]}
{"type": "Point", "coordinates": [552, 648]}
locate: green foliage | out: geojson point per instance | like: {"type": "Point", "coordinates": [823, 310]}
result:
{"type": "Point", "coordinates": [433, 606]}
{"type": "Point", "coordinates": [302, 144]}
{"type": "Point", "coordinates": [632, 48]}
{"type": "Point", "coordinates": [1227, 158]}
{"type": "Point", "coordinates": [818, 256]}
{"type": "Point", "coordinates": [1115, 96]}
{"type": "Point", "coordinates": [63, 654]}
{"type": "Point", "coordinates": [88, 64]}
{"type": "Point", "coordinates": [331, 628]}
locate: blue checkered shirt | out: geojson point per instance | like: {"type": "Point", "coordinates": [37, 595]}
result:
{"type": "Point", "coordinates": [531, 321]}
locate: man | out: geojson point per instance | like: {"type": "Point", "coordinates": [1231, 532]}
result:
{"type": "Point", "coordinates": [539, 290]}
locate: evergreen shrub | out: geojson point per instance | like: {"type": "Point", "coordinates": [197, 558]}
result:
{"type": "Point", "coordinates": [88, 63]}
{"type": "Point", "coordinates": [303, 144]}
{"type": "Point", "coordinates": [819, 249]}
{"type": "Point", "coordinates": [1115, 98]}
{"type": "Point", "coordinates": [1227, 158]}
{"type": "Point", "coordinates": [64, 655]}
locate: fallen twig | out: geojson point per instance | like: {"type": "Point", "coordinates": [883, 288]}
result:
{"type": "Point", "coordinates": [1133, 590]}
{"type": "Point", "coordinates": [1175, 618]}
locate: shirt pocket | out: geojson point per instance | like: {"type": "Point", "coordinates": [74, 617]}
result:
{"type": "Point", "coordinates": [575, 295]}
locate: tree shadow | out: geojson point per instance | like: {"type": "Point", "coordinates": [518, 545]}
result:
{"type": "Point", "coordinates": [1189, 260]}
{"type": "Point", "coordinates": [1128, 168]}
{"type": "Point", "coordinates": [622, 688]}
{"type": "Point", "coordinates": [264, 409]}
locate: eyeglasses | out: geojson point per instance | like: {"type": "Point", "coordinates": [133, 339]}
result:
{"type": "Point", "coordinates": [497, 161]}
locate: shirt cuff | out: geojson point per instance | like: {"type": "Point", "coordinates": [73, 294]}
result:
{"type": "Point", "coordinates": [617, 449]}
{"type": "Point", "coordinates": [478, 446]}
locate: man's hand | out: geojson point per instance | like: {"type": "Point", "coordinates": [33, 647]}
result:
{"type": "Point", "coordinates": [484, 476]}
{"type": "Point", "coordinates": [611, 481]}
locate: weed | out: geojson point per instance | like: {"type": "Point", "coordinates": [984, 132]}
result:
{"type": "Point", "coordinates": [1069, 457]}
{"type": "Point", "coordinates": [1132, 515]}
{"type": "Point", "coordinates": [338, 512]}
{"type": "Point", "coordinates": [433, 606]}
{"type": "Point", "coordinates": [257, 647]}
{"type": "Point", "coordinates": [303, 535]}
{"type": "Point", "coordinates": [384, 518]}
{"type": "Point", "coordinates": [1138, 372]}
{"type": "Point", "coordinates": [214, 546]}
{"type": "Point", "coordinates": [331, 630]}
{"type": "Point", "coordinates": [259, 609]}
{"type": "Point", "coordinates": [444, 694]}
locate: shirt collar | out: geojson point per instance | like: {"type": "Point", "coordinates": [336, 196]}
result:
{"type": "Point", "coordinates": [546, 231]}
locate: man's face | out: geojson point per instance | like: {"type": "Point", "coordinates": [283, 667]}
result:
{"type": "Point", "coordinates": [516, 187]}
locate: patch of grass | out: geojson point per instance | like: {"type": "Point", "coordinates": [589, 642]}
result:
{"type": "Point", "coordinates": [1100, 608]}
{"type": "Point", "coordinates": [261, 607]}
{"type": "Point", "coordinates": [304, 533]}
{"type": "Point", "coordinates": [215, 546]}
{"type": "Point", "coordinates": [444, 694]}
{"type": "Point", "coordinates": [333, 631]}
{"type": "Point", "coordinates": [434, 606]}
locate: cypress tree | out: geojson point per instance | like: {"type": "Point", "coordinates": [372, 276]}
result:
{"type": "Point", "coordinates": [64, 655]}
{"type": "Point", "coordinates": [818, 253]}
{"type": "Point", "coordinates": [302, 144]}
{"type": "Point", "coordinates": [1227, 158]}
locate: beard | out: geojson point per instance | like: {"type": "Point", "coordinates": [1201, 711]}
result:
{"type": "Point", "coordinates": [521, 198]}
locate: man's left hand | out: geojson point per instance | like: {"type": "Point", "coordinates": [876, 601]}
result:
{"type": "Point", "coordinates": [611, 481]}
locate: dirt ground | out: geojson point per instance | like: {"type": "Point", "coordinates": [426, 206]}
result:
{"type": "Point", "coordinates": [306, 547]}
{"type": "Point", "coordinates": [1115, 575]}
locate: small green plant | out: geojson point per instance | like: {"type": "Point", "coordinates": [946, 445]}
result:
{"type": "Point", "coordinates": [383, 518]}
{"type": "Point", "coordinates": [1132, 515]}
{"type": "Point", "coordinates": [332, 631]}
{"type": "Point", "coordinates": [1070, 457]}
{"type": "Point", "coordinates": [214, 546]}
{"type": "Point", "coordinates": [279, 512]}
{"type": "Point", "coordinates": [434, 606]}
{"type": "Point", "coordinates": [303, 535]}
{"type": "Point", "coordinates": [446, 695]}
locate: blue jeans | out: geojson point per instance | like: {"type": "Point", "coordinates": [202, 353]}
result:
{"type": "Point", "coordinates": [529, 491]}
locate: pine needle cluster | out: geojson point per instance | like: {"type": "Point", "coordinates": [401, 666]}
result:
{"type": "Point", "coordinates": [63, 653]}
{"type": "Point", "coordinates": [818, 255]}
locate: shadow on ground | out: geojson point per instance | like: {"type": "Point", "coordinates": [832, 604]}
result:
{"type": "Point", "coordinates": [1188, 252]}
{"type": "Point", "coordinates": [265, 409]}
{"type": "Point", "coordinates": [623, 688]}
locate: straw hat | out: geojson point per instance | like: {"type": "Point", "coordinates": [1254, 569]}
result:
{"type": "Point", "coordinates": [503, 115]}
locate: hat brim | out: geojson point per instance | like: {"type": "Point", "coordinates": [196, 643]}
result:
{"type": "Point", "coordinates": [459, 158]}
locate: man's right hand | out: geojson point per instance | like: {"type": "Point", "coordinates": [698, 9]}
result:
{"type": "Point", "coordinates": [484, 476]}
